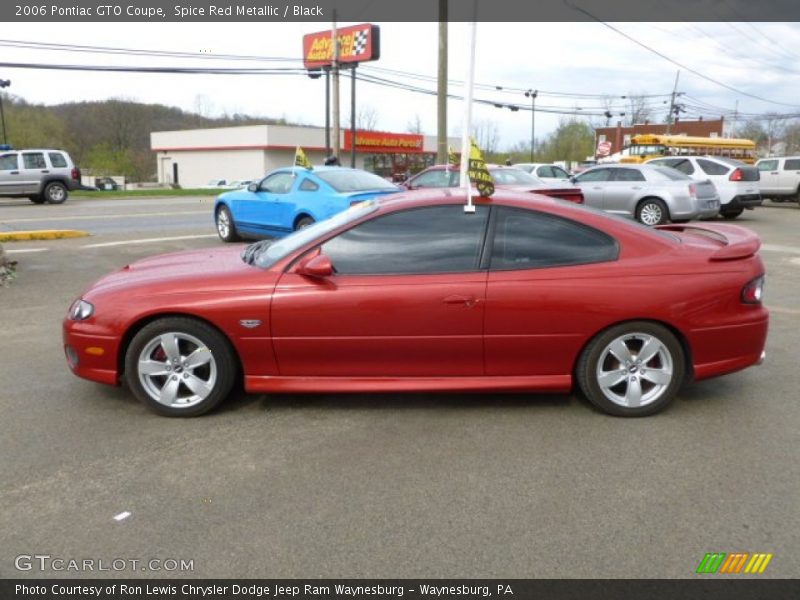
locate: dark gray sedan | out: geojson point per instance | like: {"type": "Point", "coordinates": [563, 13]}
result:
{"type": "Point", "coordinates": [652, 195]}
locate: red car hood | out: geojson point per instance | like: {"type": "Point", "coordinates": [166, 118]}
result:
{"type": "Point", "coordinates": [192, 270]}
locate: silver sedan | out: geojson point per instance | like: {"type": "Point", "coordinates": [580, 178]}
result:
{"type": "Point", "coordinates": [652, 195]}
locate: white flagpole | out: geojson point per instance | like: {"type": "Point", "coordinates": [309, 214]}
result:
{"type": "Point", "coordinates": [465, 138]}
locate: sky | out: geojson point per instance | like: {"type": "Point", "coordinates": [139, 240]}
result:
{"type": "Point", "coordinates": [752, 64]}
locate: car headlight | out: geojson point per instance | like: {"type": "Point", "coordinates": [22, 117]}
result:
{"type": "Point", "coordinates": [80, 310]}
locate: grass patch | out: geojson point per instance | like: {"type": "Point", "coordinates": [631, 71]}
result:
{"type": "Point", "coordinates": [154, 193]}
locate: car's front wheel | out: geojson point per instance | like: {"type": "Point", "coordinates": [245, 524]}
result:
{"type": "Point", "coordinates": [226, 228]}
{"type": "Point", "coordinates": [632, 370]}
{"type": "Point", "coordinates": [180, 367]}
{"type": "Point", "coordinates": [303, 222]}
{"type": "Point", "coordinates": [652, 211]}
{"type": "Point", "coordinates": [55, 192]}
{"type": "Point", "coordinates": [732, 214]}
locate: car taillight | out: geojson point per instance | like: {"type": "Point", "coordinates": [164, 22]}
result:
{"type": "Point", "coordinates": [692, 190]}
{"type": "Point", "coordinates": [753, 292]}
{"type": "Point", "coordinates": [736, 175]}
{"type": "Point", "coordinates": [76, 174]}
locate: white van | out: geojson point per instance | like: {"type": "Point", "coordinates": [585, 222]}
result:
{"type": "Point", "coordinates": [780, 177]}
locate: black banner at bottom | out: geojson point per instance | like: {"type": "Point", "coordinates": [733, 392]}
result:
{"type": "Point", "coordinates": [381, 589]}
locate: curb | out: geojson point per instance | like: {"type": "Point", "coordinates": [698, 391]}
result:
{"type": "Point", "coordinates": [43, 234]}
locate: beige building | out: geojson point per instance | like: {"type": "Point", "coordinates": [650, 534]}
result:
{"type": "Point", "coordinates": [194, 157]}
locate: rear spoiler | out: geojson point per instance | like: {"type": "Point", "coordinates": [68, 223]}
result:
{"type": "Point", "coordinates": [736, 242]}
{"type": "Point", "coordinates": [571, 194]}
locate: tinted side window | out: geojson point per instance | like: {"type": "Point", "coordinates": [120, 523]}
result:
{"type": "Point", "coordinates": [628, 175]}
{"type": "Point", "coordinates": [437, 178]}
{"type": "Point", "coordinates": [34, 160]}
{"type": "Point", "coordinates": [559, 172]}
{"type": "Point", "coordinates": [57, 160]}
{"type": "Point", "coordinates": [767, 165]}
{"type": "Point", "coordinates": [526, 239]}
{"type": "Point", "coordinates": [437, 239]}
{"type": "Point", "coordinates": [279, 183]}
{"type": "Point", "coordinates": [792, 164]}
{"type": "Point", "coordinates": [594, 175]}
{"type": "Point", "coordinates": [712, 168]}
{"type": "Point", "coordinates": [545, 172]}
{"type": "Point", "coordinates": [308, 185]}
{"type": "Point", "coordinates": [681, 164]}
{"type": "Point", "coordinates": [9, 162]}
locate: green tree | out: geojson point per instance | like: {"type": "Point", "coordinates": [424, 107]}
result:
{"type": "Point", "coordinates": [573, 140]}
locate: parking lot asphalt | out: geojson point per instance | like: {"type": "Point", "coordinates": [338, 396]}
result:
{"type": "Point", "coordinates": [380, 485]}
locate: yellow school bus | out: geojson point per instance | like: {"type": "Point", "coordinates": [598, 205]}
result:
{"type": "Point", "coordinates": [646, 146]}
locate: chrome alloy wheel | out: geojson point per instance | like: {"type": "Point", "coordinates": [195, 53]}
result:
{"type": "Point", "coordinates": [177, 370]}
{"type": "Point", "coordinates": [223, 224]}
{"type": "Point", "coordinates": [634, 370]}
{"type": "Point", "coordinates": [651, 214]}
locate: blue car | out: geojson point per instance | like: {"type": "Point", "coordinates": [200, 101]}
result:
{"type": "Point", "coordinates": [291, 198]}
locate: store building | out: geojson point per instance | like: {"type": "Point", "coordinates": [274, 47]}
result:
{"type": "Point", "coordinates": [191, 158]}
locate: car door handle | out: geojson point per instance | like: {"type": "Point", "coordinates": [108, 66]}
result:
{"type": "Point", "coordinates": [774, 173]}
{"type": "Point", "coordinates": [45, 171]}
{"type": "Point", "coordinates": [597, 188]}
{"type": "Point", "coordinates": [468, 301]}
{"type": "Point", "coordinates": [636, 187]}
{"type": "Point", "coordinates": [14, 173]}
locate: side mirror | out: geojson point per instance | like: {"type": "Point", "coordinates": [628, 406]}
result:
{"type": "Point", "coordinates": [320, 266]}
{"type": "Point", "coordinates": [573, 179]}
{"type": "Point", "coordinates": [253, 187]}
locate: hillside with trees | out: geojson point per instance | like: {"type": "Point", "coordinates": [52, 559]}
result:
{"type": "Point", "coordinates": [108, 137]}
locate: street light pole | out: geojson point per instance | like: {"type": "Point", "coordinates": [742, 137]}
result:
{"type": "Point", "coordinates": [532, 95]}
{"type": "Point", "coordinates": [4, 83]}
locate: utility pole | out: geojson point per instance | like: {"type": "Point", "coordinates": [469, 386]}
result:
{"type": "Point", "coordinates": [335, 67]}
{"type": "Point", "coordinates": [735, 119]}
{"type": "Point", "coordinates": [672, 102]}
{"type": "Point", "coordinates": [441, 88]}
{"type": "Point", "coordinates": [353, 116]}
{"type": "Point", "coordinates": [4, 83]}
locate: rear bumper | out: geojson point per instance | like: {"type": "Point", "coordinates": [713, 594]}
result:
{"type": "Point", "coordinates": [743, 201]}
{"type": "Point", "coordinates": [720, 350]}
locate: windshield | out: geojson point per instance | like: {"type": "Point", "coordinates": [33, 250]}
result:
{"type": "Point", "coordinates": [513, 177]}
{"type": "Point", "coordinates": [267, 253]}
{"type": "Point", "coordinates": [351, 180]}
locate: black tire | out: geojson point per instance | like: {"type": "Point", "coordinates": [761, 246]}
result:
{"type": "Point", "coordinates": [214, 374]}
{"type": "Point", "coordinates": [652, 211]}
{"type": "Point", "coordinates": [732, 214]}
{"type": "Point", "coordinates": [303, 222]}
{"type": "Point", "coordinates": [667, 365]}
{"type": "Point", "coordinates": [55, 192]}
{"type": "Point", "coordinates": [226, 227]}
{"type": "Point", "coordinates": [37, 199]}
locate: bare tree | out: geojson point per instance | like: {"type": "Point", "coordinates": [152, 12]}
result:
{"type": "Point", "coordinates": [367, 118]}
{"type": "Point", "coordinates": [415, 124]}
{"type": "Point", "coordinates": [486, 135]}
{"type": "Point", "coordinates": [774, 126]}
{"type": "Point", "coordinates": [639, 111]}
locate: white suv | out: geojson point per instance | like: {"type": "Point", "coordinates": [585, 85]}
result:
{"type": "Point", "coordinates": [43, 175]}
{"type": "Point", "coordinates": [780, 177]}
{"type": "Point", "coordinates": [736, 182]}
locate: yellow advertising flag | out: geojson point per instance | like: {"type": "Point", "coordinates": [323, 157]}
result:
{"type": "Point", "coordinates": [452, 157]}
{"type": "Point", "coordinates": [301, 160]}
{"type": "Point", "coordinates": [477, 171]}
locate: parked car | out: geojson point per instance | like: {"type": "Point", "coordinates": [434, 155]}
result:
{"type": "Point", "coordinates": [292, 198]}
{"type": "Point", "coordinates": [106, 184]}
{"type": "Point", "coordinates": [544, 171]}
{"type": "Point", "coordinates": [780, 177]}
{"type": "Point", "coordinates": [216, 184]}
{"type": "Point", "coordinates": [651, 194]}
{"type": "Point", "coordinates": [411, 293]}
{"type": "Point", "coordinates": [42, 175]}
{"type": "Point", "coordinates": [507, 178]}
{"type": "Point", "coordinates": [736, 182]}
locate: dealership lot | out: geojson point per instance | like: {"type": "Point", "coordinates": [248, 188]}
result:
{"type": "Point", "coordinates": [391, 485]}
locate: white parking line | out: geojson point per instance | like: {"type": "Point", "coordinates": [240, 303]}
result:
{"type": "Point", "coordinates": [781, 248]}
{"type": "Point", "coordinates": [114, 216]}
{"type": "Point", "coordinates": [150, 240]}
{"type": "Point", "coordinates": [26, 250]}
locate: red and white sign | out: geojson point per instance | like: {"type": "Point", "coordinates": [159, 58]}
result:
{"type": "Point", "coordinates": [603, 148]}
{"type": "Point", "coordinates": [384, 143]}
{"type": "Point", "coordinates": [357, 43]}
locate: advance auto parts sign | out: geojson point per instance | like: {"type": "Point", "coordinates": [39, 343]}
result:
{"type": "Point", "coordinates": [381, 142]}
{"type": "Point", "coordinates": [357, 43]}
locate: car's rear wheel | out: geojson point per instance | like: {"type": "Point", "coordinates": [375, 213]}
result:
{"type": "Point", "coordinates": [303, 222]}
{"type": "Point", "coordinates": [226, 228]}
{"type": "Point", "coordinates": [632, 370]}
{"type": "Point", "coordinates": [732, 214]}
{"type": "Point", "coordinates": [652, 211]}
{"type": "Point", "coordinates": [37, 199]}
{"type": "Point", "coordinates": [180, 367]}
{"type": "Point", "coordinates": [55, 192]}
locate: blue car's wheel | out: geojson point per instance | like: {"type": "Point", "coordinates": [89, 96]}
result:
{"type": "Point", "coordinates": [226, 228]}
{"type": "Point", "coordinates": [303, 222]}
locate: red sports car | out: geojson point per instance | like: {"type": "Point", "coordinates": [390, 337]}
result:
{"type": "Point", "coordinates": [413, 293]}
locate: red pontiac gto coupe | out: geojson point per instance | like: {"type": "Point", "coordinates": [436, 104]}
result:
{"type": "Point", "coordinates": [411, 293]}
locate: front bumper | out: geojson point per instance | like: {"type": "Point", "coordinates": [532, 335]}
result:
{"type": "Point", "coordinates": [89, 355]}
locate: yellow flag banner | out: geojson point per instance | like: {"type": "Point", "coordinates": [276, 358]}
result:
{"type": "Point", "coordinates": [452, 157]}
{"type": "Point", "coordinates": [301, 160]}
{"type": "Point", "coordinates": [477, 171]}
